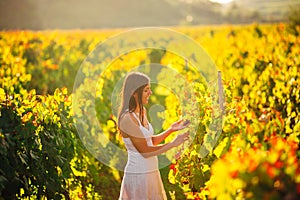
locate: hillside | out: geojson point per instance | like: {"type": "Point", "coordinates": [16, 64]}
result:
{"type": "Point", "coordinates": [95, 14]}
{"type": "Point", "coordinates": [269, 10]}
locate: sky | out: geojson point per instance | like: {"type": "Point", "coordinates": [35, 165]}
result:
{"type": "Point", "coordinates": [221, 1]}
{"type": "Point", "coordinates": [49, 14]}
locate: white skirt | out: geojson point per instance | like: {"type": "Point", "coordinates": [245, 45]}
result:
{"type": "Point", "coordinates": [142, 186]}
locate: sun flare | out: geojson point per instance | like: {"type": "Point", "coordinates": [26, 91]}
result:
{"type": "Point", "coordinates": [222, 1]}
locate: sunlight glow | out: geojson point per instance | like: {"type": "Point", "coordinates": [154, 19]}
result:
{"type": "Point", "coordinates": [221, 1]}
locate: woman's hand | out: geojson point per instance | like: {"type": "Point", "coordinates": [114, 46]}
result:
{"type": "Point", "coordinates": [179, 125]}
{"type": "Point", "coordinates": [176, 126]}
{"type": "Point", "coordinates": [181, 138]}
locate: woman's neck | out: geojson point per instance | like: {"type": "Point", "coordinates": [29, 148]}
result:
{"type": "Point", "coordinates": [137, 110]}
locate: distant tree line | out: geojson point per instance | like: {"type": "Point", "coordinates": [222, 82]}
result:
{"type": "Point", "coordinates": [94, 14]}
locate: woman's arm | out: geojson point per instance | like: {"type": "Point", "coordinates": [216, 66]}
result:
{"type": "Point", "coordinates": [133, 131]}
{"type": "Point", "coordinates": [156, 139]}
{"type": "Point", "coordinates": [148, 151]}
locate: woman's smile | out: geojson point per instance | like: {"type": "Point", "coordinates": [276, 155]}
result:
{"type": "Point", "coordinates": [146, 94]}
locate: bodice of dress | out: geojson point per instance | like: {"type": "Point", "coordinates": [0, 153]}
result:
{"type": "Point", "coordinates": [136, 162]}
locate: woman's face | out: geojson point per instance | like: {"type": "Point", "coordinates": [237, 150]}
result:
{"type": "Point", "coordinates": [146, 94]}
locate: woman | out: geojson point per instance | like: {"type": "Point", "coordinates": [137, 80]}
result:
{"type": "Point", "coordinates": [142, 177]}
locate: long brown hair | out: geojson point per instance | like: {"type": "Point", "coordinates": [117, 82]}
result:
{"type": "Point", "coordinates": [134, 82]}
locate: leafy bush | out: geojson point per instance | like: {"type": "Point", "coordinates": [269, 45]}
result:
{"type": "Point", "coordinates": [42, 156]}
{"type": "Point", "coordinates": [40, 153]}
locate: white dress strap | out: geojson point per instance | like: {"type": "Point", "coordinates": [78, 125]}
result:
{"type": "Point", "coordinates": [136, 117]}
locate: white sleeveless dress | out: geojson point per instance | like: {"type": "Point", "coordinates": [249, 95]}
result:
{"type": "Point", "coordinates": [142, 180]}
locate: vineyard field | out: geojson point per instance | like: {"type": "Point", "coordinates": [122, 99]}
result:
{"type": "Point", "coordinates": [256, 155]}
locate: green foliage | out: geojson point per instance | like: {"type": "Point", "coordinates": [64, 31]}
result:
{"type": "Point", "coordinates": [262, 100]}
{"type": "Point", "coordinates": [42, 156]}
{"type": "Point", "coordinates": [37, 138]}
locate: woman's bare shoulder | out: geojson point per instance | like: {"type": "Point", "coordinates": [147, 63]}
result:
{"type": "Point", "coordinates": [128, 117]}
{"type": "Point", "coordinates": [129, 126]}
